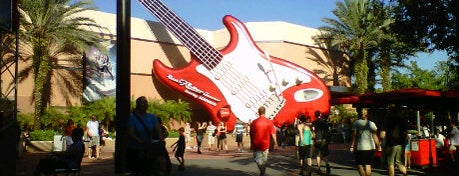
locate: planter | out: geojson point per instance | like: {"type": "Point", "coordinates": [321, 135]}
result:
{"type": "Point", "coordinates": [40, 146]}
{"type": "Point", "coordinates": [170, 141]}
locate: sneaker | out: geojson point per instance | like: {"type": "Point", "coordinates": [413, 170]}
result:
{"type": "Point", "coordinates": [328, 169]}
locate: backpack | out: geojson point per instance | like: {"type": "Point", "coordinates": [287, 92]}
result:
{"type": "Point", "coordinates": [321, 129]}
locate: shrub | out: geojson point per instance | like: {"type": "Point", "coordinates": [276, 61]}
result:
{"type": "Point", "coordinates": [25, 121]}
{"type": "Point", "coordinates": [42, 135]}
{"type": "Point", "coordinates": [173, 134]}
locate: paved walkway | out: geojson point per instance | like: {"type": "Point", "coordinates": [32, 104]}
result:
{"type": "Point", "coordinates": [281, 163]}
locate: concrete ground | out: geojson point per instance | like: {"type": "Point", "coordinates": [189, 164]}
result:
{"type": "Point", "coordinates": [282, 162]}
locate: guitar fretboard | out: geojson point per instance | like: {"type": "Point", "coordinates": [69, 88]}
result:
{"type": "Point", "coordinates": [186, 34]}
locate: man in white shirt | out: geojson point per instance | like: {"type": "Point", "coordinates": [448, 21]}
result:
{"type": "Point", "coordinates": [92, 130]}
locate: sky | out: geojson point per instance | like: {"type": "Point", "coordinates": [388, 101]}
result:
{"type": "Point", "coordinates": [208, 14]}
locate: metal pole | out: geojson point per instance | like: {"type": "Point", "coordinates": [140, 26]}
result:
{"type": "Point", "coordinates": [418, 122]}
{"type": "Point", "coordinates": [123, 81]}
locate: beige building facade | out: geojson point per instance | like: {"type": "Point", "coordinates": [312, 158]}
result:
{"type": "Point", "coordinates": [151, 41]}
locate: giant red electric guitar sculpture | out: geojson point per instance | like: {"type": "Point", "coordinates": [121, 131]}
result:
{"type": "Point", "coordinates": [240, 77]}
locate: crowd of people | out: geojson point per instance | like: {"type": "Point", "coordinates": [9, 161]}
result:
{"type": "Point", "coordinates": [147, 153]}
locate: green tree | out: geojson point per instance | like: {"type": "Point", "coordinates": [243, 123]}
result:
{"type": "Point", "coordinates": [429, 24]}
{"type": "Point", "coordinates": [390, 52]}
{"type": "Point", "coordinates": [334, 66]}
{"type": "Point", "coordinates": [447, 74]}
{"type": "Point", "coordinates": [416, 77]}
{"type": "Point", "coordinates": [355, 30]}
{"type": "Point", "coordinates": [54, 38]}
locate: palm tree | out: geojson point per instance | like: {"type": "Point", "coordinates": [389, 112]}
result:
{"type": "Point", "coordinates": [334, 66]}
{"type": "Point", "coordinates": [355, 32]}
{"type": "Point", "coordinates": [54, 38]}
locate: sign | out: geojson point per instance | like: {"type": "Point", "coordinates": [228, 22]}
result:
{"type": "Point", "coordinates": [415, 146]}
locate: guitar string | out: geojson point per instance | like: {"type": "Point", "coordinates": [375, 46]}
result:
{"type": "Point", "coordinates": [259, 96]}
{"type": "Point", "coordinates": [219, 70]}
{"type": "Point", "coordinates": [178, 24]}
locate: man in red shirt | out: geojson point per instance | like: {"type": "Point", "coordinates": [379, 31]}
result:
{"type": "Point", "coordinates": [261, 131]}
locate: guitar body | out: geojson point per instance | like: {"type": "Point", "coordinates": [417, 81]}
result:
{"type": "Point", "coordinates": [244, 79]}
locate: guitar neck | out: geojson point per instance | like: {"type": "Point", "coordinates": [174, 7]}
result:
{"type": "Point", "coordinates": [189, 37]}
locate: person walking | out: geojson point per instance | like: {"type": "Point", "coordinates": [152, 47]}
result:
{"type": "Point", "coordinates": [395, 132]}
{"type": "Point", "coordinates": [188, 136]}
{"type": "Point", "coordinates": [305, 143]}
{"type": "Point", "coordinates": [239, 130]}
{"type": "Point", "coordinates": [211, 133]}
{"type": "Point", "coordinates": [179, 149]}
{"type": "Point", "coordinates": [261, 132]}
{"type": "Point", "coordinates": [92, 130]}
{"type": "Point", "coordinates": [363, 143]}
{"type": "Point", "coordinates": [343, 130]}
{"type": "Point", "coordinates": [144, 132]}
{"type": "Point", "coordinates": [200, 129]}
{"type": "Point", "coordinates": [321, 140]}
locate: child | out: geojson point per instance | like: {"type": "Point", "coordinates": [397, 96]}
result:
{"type": "Point", "coordinates": [179, 148]}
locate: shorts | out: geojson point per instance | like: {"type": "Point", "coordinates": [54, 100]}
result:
{"type": "Point", "coordinates": [364, 157]}
{"type": "Point", "coordinates": [94, 141]}
{"type": "Point", "coordinates": [239, 137]}
{"type": "Point", "coordinates": [394, 155]}
{"type": "Point", "coordinates": [305, 151]}
{"type": "Point", "coordinates": [261, 157]}
{"type": "Point", "coordinates": [187, 138]}
{"type": "Point", "coordinates": [321, 148]}
{"type": "Point", "coordinates": [210, 139]}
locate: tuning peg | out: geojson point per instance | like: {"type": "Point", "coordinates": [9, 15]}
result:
{"type": "Point", "coordinates": [272, 87]}
{"type": "Point", "coordinates": [298, 81]}
{"type": "Point", "coordinates": [284, 82]}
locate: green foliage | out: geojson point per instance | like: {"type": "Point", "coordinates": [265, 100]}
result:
{"type": "Point", "coordinates": [104, 109]}
{"type": "Point", "coordinates": [26, 121]}
{"type": "Point", "coordinates": [432, 25]}
{"type": "Point", "coordinates": [169, 109]}
{"type": "Point", "coordinates": [173, 134]}
{"type": "Point", "coordinates": [344, 114]}
{"type": "Point", "coordinates": [53, 119]}
{"type": "Point", "coordinates": [419, 78]}
{"type": "Point", "coordinates": [79, 115]}
{"type": "Point", "coordinates": [42, 135]}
